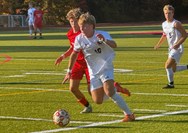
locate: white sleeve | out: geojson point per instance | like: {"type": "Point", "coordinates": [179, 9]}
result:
{"type": "Point", "coordinates": [77, 46]}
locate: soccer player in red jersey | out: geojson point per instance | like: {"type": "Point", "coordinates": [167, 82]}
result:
{"type": "Point", "coordinates": [80, 66]}
{"type": "Point", "coordinates": [38, 17]}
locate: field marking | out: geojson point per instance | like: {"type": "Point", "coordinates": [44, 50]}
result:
{"type": "Point", "coordinates": [21, 93]}
{"type": "Point", "coordinates": [110, 122]}
{"type": "Point", "coordinates": [143, 110]}
{"type": "Point", "coordinates": [161, 94]}
{"type": "Point", "coordinates": [175, 105]}
{"type": "Point", "coordinates": [149, 110]}
{"type": "Point", "coordinates": [39, 119]}
{"type": "Point", "coordinates": [62, 90]}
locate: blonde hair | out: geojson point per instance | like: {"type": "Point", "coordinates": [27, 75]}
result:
{"type": "Point", "coordinates": [74, 13]}
{"type": "Point", "coordinates": [87, 18]}
{"type": "Point", "coordinates": [168, 7]}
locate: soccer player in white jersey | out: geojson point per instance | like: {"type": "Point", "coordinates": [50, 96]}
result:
{"type": "Point", "coordinates": [176, 35]}
{"type": "Point", "coordinates": [30, 18]}
{"type": "Point", "coordinates": [97, 47]}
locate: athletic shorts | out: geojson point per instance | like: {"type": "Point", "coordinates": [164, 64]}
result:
{"type": "Point", "coordinates": [38, 25]}
{"type": "Point", "coordinates": [97, 81]}
{"type": "Point", "coordinates": [78, 72]}
{"type": "Point", "coordinates": [175, 54]}
{"type": "Point", "coordinates": [30, 22]}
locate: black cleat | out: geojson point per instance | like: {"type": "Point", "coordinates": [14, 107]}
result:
{"type": "Point", "coordinates": [35, 37]}
{"type": "Point", "coordinates": [168, 86]}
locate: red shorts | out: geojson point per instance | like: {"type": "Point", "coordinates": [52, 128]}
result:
{"type": "Point", "coordinates": [38, 25]}
{"type": "Point", "coordinates": [78, 71]}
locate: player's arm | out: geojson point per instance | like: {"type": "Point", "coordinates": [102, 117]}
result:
{"type": "Point", "coordinates": [72, 60]}
{"type": "Point", "coordinates": [160, 42]}
{"type": "Point", "coordinates": [63, 56]}
{"type": "Point", "coordinates": [111, 43]}
{"type": "Point", "coordinates": [180, 28]}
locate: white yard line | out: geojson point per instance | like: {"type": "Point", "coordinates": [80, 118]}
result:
{"type": "Point", "coordinates": [39, 119]}
{"type": "Point", "coordinates": [161, 94]}
{"type": "Point", "coordinates": [176, 105]}
{"type": "Point", "coordinates": [110, 122]}
{"type": "Point", "coordinates": [135, 93]}
{"type": "Point", "coordinates": [149, 110]}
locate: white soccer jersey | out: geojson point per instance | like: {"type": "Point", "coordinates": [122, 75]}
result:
{"type": "Point", "coordinates": [31, 13]}
{"type": "Point", "coordinates": [171, 33]}
{"type": "Point", "coordinates": [98, 56]}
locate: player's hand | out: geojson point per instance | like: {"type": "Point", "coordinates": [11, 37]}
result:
{"type": "Point", "coordinates": [59, 60]}
{"type": "Point", "coordinates": [156, 47]}
{"type": "Point", "coordinates": [100, 38]}
{"type": "Point", "coordinates": [175, 47]}
{"type": "Point", "coordinates": [67, 77]}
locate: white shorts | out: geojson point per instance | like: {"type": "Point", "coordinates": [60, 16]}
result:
{"type": "Point", "coordinates": [96, 81]}
{"type": "Point", "coordinates": [175, 54]}
{"type": "Point", "coordinates": [30, 22]}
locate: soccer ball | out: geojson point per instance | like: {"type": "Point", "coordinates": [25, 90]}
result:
{"type": "Point", "coordinates": [61, 117]}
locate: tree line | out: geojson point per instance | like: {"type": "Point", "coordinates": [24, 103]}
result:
{"type": "Point", "coordinates": [111, 11]}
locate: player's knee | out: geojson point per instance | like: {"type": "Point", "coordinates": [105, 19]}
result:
{"type": "Point", "coordinates": [98, 101]}
{"type": "Point", "coordinates": [73, 90]}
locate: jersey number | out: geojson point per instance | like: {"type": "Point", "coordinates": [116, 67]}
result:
{"type": "Point", "coordinates": [98, 50]}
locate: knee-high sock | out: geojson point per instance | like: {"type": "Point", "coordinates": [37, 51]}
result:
{"type": "Point", "coordinates": [170, 75]}
{"type": "Point", "coordinates": [181, 68]}
{"type": "Point", "coordinates": [117, 99]}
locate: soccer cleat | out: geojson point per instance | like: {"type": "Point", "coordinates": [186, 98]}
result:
{"type": "Point", "coordinates": [121, 89]}
{"type": "Point", "coordinates": [168, 86]}
{"type": "Point", "coordinates": [128, 118]}
{"type": "Point", "coordinates": [35, 37]}
{"type": "Point", "coordinates": [40, 37]}
{"type": "Point", "coordinates": [86, 110]}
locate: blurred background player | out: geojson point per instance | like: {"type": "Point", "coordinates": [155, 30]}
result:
{"type": "Point", "coordinates": [38, 17]}
{"type": "Point", "coordinates": [175, 34]}
{"type": "Point", "coordinates": [80, 66]}
{"type": "Point", "coordinates": [97, 47]}
{"type": "Point", "coordinates": [30, 18]}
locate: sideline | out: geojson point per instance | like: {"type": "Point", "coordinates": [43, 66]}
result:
{"type": "Point", "coordinates": [110, 122]}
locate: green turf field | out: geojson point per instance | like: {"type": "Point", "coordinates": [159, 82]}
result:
{"type": "Point", "coordinates": [31, 90]}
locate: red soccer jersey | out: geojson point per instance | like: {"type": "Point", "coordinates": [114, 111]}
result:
{"type": "Point", "coordinates": [38, 14]}
{"type": "Point", "coordinates": [71, 36]}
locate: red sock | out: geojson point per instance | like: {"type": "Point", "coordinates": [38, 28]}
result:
{"type": "Point", "coordinates": [83, 101]}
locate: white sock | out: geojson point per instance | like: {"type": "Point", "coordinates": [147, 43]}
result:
{"type": "Point", "coordinates": [117, 99]}
{"type": "Point", "coordinates": [170, 74]}
{"type": "Point", "coordinates": [181, 68]}
{"type": "Point", "coordinates": [30, 32]}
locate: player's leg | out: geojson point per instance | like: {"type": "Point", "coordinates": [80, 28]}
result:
{"type": "Point", "coordinates": [86, 72]}
{"type": "Point", "coordinates": [169, 66]}
{"type": "Point", "coordinates": [40, 30]}
{"type": "Point", "coordinates": [30, 30]}
{"type": "Point", "coordinates": [30, 24]}
{"type": "Point", "coordinates": [35, 31]}
{"type": "Point", "coordinates": [76, 77]}
{"type": "Point", "coordinates": [178, 68]}
{"type": "Point", "coordinates": [74, 88]}
{"type": "Point", "coordinates": [118, 100]}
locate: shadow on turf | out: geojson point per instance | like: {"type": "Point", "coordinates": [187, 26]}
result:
{"type": "Point", "coordinates": [28, 83]}
{"type": "Point", "coordinates": [33, 48]}
{"type": "Point", "coordinates": [64, 48]}
{"type": "Point", "coordinates": [59, 37]}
